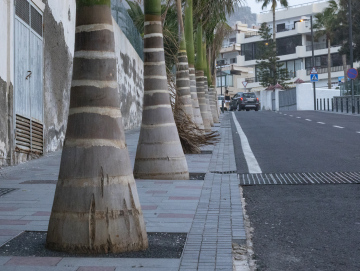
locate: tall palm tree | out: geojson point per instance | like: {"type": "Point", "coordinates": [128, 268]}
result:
{"type": "Point", "coordinates": [199, 74]}
{"type": "Point", "coordinates": [184, 102]}
{"type": "Point", "coordinates": [212, 94]}
{"type": "Point", "coordinates": [159, 152]}
{"type": "Point", "coordinates": [273, 3]}
{"type": "Point", "coordinates": [206, 85]}
{"type": "Point", "coordinates": [324, 26]}
{"type": "Point", "coordinates": [96, 207]}
{"type": "Point", "coordinates": [189, 38]}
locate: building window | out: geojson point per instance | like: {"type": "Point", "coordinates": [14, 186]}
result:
{"type": "Point", "coordinates": [321, 61]}
{"type": "Point", "coordinates": [286, 46]}
{"type": "Point", "coordinates": [232, 60]}
{"type": "Point", "coordinates": [225, 81]}
{"type": "Point", "coordinates": [280, 27]}
{"type": "Point", "coordinates": [232, 40]}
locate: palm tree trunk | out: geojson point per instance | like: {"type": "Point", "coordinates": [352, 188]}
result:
{"type": "Point", "coordinates": [191, 59]}
{"type": "Point", "coordinates": [199, 73]}
{"type": "Point", "coordinates": [274, 40]}
{"type": "Point", "coordinates": [184, 102]}
{"type": "Point", "coordinates": [159, 152]}
{"type": "Point", "coordinates": [96, 207]}
{"type": "Point", "coordinates": [212, 94]}
{"type": "Point", "coordinates": [206, 85]}
{"type": "Point", "coordinates": [329, 63]}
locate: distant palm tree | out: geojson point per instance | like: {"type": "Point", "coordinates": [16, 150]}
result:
{"type": "Point", "coordinates": [324, 26]}
{"type": "Point", "coordinates": [273, 3]}
{"type": "Point", "coordinates": [159, 153]}
{"type": "Point", "coordinates": [96, 207]}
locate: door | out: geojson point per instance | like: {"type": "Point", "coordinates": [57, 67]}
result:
{"type": "Point", "coordinates": [28, 86]}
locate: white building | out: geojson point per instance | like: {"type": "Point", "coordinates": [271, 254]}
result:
{"type": "Point", "coordinates": [293, 46]}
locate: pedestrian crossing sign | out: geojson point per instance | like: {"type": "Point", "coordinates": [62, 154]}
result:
{"type": "Point", "coordinates": [314, 77]}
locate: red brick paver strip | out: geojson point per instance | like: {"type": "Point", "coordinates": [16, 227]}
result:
{"type": "Point", "coordinates": [8, 209]}
{"type": "Point", "coordinates": [184, 198]}
{"type": "Point", "coordinates": [156, 192]}
{"type": "Point", "coordinates": [149, 207]}
{"type": "Point", "coordinates": [7, 232]}
{"type": "Point", "coordinates": [42, 214]}
{"type": "Point", "coordinates": [163, 182]}
{"type": "Point", "coordinates": [96, 268]}
{"type": "Point", "coordinates": [34, 261]}
{"type": "Point", "coordinates": [169, 215]}
{"type": "Point", "coordinates": [189, 187]}
{"type": "Point", "coordinates": [14, 222]}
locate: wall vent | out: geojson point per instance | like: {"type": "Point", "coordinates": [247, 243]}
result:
{"type": "Point", "coordinates": [29, 136]}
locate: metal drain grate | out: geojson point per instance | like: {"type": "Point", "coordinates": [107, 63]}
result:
{"type": "Point", "coordinates": [300, 178]}
{"type": "Point", "coordinates": [4, 191]}
{"type": "Point", "coordinates": [224, 172]}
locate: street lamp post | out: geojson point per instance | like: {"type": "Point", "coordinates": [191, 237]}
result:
{"type": "Point", "coordinates": [221, 85]}
{"type": "Point", "coordinates": [351, 59]}
{"type": "Point", "coordinates": [313, 57]}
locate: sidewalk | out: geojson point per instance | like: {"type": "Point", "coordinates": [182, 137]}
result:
{"type": "Point", "coordinates": [209, 211]}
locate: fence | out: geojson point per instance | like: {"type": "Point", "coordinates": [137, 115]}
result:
{"type": "Point", "coordinates": [126, 24]}
{"type": "Point", "coordinates": [338, 104]}
{"type": "Point", "coordinates": [287, 100]}
{"type": "Point", "coordinates": [345, 88]}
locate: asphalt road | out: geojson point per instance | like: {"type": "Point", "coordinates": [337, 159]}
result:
{"type": "Point", "coordinates": [302, 227]}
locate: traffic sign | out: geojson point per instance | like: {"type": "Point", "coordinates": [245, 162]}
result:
{"type": "Point", "coordinates": [352, 73]}
{"type": "Point", "coordinates": [314, 77]}
{"type": "Point", "coordinates": [244, 84]}
{"type": "Point", "coordinates": [313, 71]}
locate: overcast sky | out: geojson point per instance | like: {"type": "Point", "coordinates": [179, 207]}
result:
{"type": "Point", "coordinates": [256, 7]}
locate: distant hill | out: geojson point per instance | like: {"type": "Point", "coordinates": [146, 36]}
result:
{"type": "Point", "coordinates": [242, 14]}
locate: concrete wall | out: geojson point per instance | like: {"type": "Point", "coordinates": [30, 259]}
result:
{"type": "Point", "coordinates": [58, 51]}
{"type": "Point", "coordinates": [6, 80]}
{"type": "Point", "coordinates": [130, 80]}
{"type": "Point", "coordinates": [305, 95]}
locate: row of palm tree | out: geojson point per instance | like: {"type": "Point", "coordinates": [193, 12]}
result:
{"type": "Point", "coordinates": [96, 207]}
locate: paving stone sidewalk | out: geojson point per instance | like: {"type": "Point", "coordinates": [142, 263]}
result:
{"type": "Point", "coordinates": [209, 211]}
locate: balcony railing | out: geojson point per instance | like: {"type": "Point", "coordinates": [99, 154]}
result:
{"type": "Point", "coordinates": [251, 34]}
{"type": "Point", "coordinates": [325, 70]}
{"type": "Point", "coordinates": [317, 46]}
{"type": "Point", "coordinates": [287, 28]}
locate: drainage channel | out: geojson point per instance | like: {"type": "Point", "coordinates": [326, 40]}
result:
{"type": "Point", "coordinates": [300, 178]}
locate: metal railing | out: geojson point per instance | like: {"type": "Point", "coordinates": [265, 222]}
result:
{"type": "Point", "coordinates": [325, 70]}
{"type": "Point", "coordinates": [295, 6]}
{"type": "Point", "coordinates": [126, 24]}
{"type": "Point", "coordinates": [340, 104]}
{"type": "Point", "coordinates": [287, 28]}
{"type": "Point", "coordinates": [317, 46]}
{"type": "Point", "coordinates": [251, 34]}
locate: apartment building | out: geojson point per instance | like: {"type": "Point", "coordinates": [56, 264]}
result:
{"type": "Point", "coordinates": [293, 36]}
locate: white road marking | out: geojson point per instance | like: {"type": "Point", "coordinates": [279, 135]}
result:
{"type": "Point", "coordinates": [321, 122]}
{"type": "Point", "coordinates": [290, 115]}
{"type": "Point", "coordinates": [285, 114]}
{"type": "Point", "coordinates": [307, 119]}
{"type": "Point", "coordinates": [298, 117]}
{"type": "Point", "coordinates": [335, 126]}
{"type": "Point", "coordinates": [249, 155]}
{"type": "Point", "coordinates": [358, 132]}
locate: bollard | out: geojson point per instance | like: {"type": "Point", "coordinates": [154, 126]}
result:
{"type": "Point", "coordinates": [347, 105]}
{"type": "Point", "coordinates": [358, 105]}
{"type": "Point", "coordinates": [320, 105]}
{"type": "Point", "coordinates": [328, 102]}
{"type": "Point", "coordinates": [324, 104]}
{"type": "Point", "coordinates": [317, 104]}
{"type": "Point", "coordinates": [342, 104]}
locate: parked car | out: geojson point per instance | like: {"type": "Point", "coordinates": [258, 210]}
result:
{"type": "Point", "coordinates": [234, 100]}
{"type": "Point", "coordinates": [245, 101]}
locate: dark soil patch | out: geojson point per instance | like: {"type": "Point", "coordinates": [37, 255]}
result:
{"type": "Point", "coordinates": [31, 243]}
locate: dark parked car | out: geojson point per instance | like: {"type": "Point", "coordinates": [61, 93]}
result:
{"type": "Point", "coordinates": [244, 101]}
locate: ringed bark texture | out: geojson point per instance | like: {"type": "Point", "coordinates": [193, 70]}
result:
{"type": "Point", "coordinates": [207, 97]}
{"type": "Point", "coordinates": [194, 98]}
{"type": "Point", "coordinates": [96, 207]}
{"type": "Point", "coordinates": [202, 99]}
{"type": "Point", "coordinates": [159, 152]}
{"type": "Point", "coordinates": [183, 84]}
{"type": "Point", "coordinates": [213, 104]}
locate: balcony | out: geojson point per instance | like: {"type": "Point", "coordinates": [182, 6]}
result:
{"type": "Point", "coordinates": [325, 70]}
{"type": "Point", "coordinates": [251, 34]}
{"type": "Point", "coordinates": [232, 47]}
